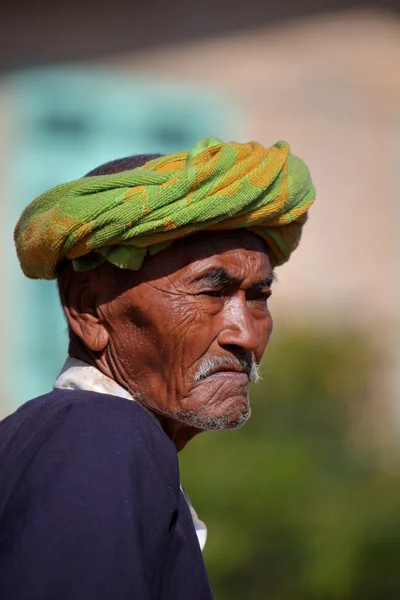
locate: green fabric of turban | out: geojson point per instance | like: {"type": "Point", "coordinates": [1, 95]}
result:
{"type": "Point", "coordinates": [123, 216]}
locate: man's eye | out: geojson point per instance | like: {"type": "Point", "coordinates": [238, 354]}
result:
{"type": "Point", "coordinates": [265, 295]}
{"type": "Point", "coordinates": [260, 296]}
{"type": "Point", "coordinates": [212, 293]}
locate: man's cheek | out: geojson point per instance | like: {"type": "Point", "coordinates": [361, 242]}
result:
{"type": "Point", "coordinates": [264, 336]}
{"type": "Point", "coordinates": [184, 318]}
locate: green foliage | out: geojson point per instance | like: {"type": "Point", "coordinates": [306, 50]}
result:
{"type": "Point", "coordinates": [295, 508]}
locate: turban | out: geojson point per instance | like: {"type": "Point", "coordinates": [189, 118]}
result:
{"type": "Point", "coordinates": [124, 216]}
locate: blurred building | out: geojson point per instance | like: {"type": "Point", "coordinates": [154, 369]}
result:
{"type": "Point", "coordinates": [328, 82]}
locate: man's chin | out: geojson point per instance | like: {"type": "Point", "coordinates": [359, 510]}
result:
{"type": "Point", "coordinates": [231, 419]}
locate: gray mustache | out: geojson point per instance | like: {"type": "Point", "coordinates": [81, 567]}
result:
{"type": "Point", "coordinates": [244, 361]}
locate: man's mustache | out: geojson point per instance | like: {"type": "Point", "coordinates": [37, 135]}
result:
{"type": "Point", "coordinates": [244, 362]}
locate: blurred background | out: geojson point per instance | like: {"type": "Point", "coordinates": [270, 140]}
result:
{"type": "Point", "coordinates": [304, 502]}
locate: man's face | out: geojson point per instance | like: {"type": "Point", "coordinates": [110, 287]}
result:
{"type": "Point", "coordinates": [184, 334]}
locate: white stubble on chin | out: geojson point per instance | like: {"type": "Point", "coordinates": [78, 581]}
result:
{"type": "Point", "coordinates": [205, 418]}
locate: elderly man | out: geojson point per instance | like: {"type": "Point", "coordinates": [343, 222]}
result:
{"type": "Point", "coordinates": [164, 266]}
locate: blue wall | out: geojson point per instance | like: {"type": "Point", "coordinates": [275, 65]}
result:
{"type": "Point", "coordinates": [65, 122]}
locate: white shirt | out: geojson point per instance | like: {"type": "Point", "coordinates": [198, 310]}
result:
{"type": "Point", "coordinates": [78, 375]}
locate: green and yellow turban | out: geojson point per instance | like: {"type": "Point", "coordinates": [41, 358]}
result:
{"type": "Point", "coordinates": [123, 216]}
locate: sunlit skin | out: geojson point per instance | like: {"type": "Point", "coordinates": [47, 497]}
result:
{"type": "Point", "coordinates": [204, 298]}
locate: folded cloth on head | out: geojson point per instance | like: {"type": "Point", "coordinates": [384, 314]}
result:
{"type": "Point", "coordinates": [123, 216]}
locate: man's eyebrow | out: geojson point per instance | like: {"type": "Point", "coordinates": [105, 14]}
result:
{"type": "Point", "coordinates": [217, 276]}
{"type": "Point", "coordinates": [267, 282]}
{"type": "Point", "coordinates": [220, 277]}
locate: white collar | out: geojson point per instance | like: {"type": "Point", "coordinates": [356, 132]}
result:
{"type": "Point", "coordinates": [78, 375]}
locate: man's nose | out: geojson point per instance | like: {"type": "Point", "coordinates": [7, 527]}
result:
{"type": "Point", "coordinates": [239, 327]}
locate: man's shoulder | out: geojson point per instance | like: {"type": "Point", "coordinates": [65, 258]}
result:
{"type": "Point", "coordinates": [78, 408]}
{"type": "Point", "coordinates": [66, 425]}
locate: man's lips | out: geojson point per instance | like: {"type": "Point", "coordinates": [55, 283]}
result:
{"type": "Point", "coordinates": [226, 367]}
{"type": "Point", "coordinates": [230, 372]}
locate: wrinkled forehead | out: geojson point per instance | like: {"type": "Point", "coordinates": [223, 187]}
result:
{"type": "Point", "coordinates": [207, 249]}
{"type": "Point", "coordinates": [205, 243]}
{"type": "Point", "coordinates": [239, 252]}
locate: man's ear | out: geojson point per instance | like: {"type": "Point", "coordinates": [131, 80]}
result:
{"type": "Point", "coordinates": [78, 299]}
